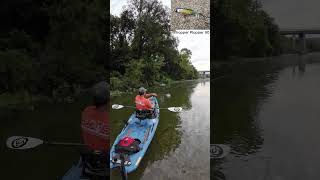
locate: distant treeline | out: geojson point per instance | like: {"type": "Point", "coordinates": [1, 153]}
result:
{"type": "Point", "coordinates": [52, 48]}
{"type": "Point", "coordinates": [143, 50]}
{"type": "Point", "coordinates": [243, 29]}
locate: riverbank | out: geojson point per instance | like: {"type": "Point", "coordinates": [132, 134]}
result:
{"type": "Point", "coordinates": [23, 98]}
{"type": "Point", "coordinates": [114, 93]}
{"type": "Point", "coordinates": [20, 100]}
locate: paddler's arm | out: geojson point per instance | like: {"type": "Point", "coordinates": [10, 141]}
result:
{"type": "Point", "coordinates": [150, 95]}
{"type": "Point", "coordinates": [149, 105]}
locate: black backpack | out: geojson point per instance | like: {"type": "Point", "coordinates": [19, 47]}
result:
{"type": "Point", "coordinates": [129, 149]}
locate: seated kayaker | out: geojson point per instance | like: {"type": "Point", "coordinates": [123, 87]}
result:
{"type": "Point", "coordinates": [143, 102]}
{"type": "Point", "coordinates": [95, 125]}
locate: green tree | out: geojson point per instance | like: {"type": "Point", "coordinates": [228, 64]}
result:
{"type": "Point", "coordinates": [144, 49]}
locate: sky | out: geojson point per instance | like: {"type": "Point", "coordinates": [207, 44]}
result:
{"type": "Point", "coordinates": [199, 44]}
{"type": "Point", "coordinates": [117, 5]}
{"type": "Point", "coordinates": [294, 13]}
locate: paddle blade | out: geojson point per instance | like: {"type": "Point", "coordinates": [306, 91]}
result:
{"type": "Point", "coordinates": [117, 106]}
{"type": "Point", "coordinates": [168, 95]}
{"type": "Point", "coordinates": [175, 109]}
{"type": "Point", "coordinates": [21, 142]}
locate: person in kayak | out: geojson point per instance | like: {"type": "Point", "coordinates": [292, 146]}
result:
{"type": "Point", "coordinates": [95, 126]}
{"type": "Point", "coordinates": [142, 100]}
{"type": "Point", "coordinates": [144, 107]}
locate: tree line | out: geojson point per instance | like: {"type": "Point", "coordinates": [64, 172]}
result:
{"type": "Point", "coordinates": [58, 48]}
{"type": "Point", "coordinates": [143, 49]}
{"type": "Point", "coordinates": [243, 29]}
{"type": "Point", "coordinates": [52, 48]}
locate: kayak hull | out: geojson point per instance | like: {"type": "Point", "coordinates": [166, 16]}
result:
{"type": "Point", "coordinates": [74, 173]}
{"type": "Point", "coordinates": [143, 130]}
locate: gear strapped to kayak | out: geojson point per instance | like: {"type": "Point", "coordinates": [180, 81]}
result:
{"type": "Point", "coordinates": [133, 141]}
{"type": "Point", "coordinates": [128, 145]}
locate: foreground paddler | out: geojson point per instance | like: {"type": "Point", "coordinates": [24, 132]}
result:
{"type": "Point", "coordinates": [95, 132]}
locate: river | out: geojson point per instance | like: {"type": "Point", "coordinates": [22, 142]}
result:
{"type": "Point", "coordinates": [267, 111]}
{"type": "Point", "coordinates": [180, 143]}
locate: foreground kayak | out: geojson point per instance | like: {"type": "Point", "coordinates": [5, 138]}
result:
{"type": "Point", "coordinates": [76, 173]}
{"type": "Point", "coordinates": [141, 129]}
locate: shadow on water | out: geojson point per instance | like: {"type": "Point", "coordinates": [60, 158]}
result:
{"type": "Point", "coordinates": [169, 132]}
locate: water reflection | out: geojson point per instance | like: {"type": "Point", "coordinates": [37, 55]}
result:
{"type": "Point", "coordinates": [266, 116]}
{"type": "Point", "coordinates": [237, 100]}
{"type": "Point", "coordinates": [300, 65]}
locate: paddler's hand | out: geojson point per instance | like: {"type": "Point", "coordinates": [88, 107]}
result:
{"type": "Point", "coordinates": [150, 95]}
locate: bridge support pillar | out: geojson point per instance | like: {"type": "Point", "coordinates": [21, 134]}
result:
{"type": "Point", "coordinates": [293, 42]}
{"type": "Point", "coordinates": [302, 40]}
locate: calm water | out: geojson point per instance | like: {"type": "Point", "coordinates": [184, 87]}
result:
{"type": "Point", "coordinates": [180, 148]}
{"type": "Point", "coordinates": [268, 113]}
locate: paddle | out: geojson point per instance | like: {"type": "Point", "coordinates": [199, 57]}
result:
{"type": "Point", "coordinates": [22, 142]}
{"type": "Point", "coordinates": [172, 109]}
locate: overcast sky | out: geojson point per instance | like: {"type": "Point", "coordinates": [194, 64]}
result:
{"type": "Point", "coordinates": [199, 44]}
{"type": "Point", "coordinates": [117, 5]}
{"type": "Point", "coordinates": [294, 13]}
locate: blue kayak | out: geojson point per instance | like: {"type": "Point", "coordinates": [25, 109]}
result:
{"type": "Point", "coordinates": [141, 129]}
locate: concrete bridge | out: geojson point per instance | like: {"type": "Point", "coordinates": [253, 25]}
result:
{"type": "Point", "coordinates": [299, 35]}
{"type": "Point", "coordinates": [204, 74]}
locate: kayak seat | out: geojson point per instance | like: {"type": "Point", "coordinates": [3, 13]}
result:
{"type": "Point", "coordinates": [144, 114]}
{"type": "Point", "coordinates": [95, 164]}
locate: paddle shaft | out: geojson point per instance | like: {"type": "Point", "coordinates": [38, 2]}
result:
{"type": "Point", "coordinates": [63, 143]}
{"type": "Point", "coordinates": [135, 107]}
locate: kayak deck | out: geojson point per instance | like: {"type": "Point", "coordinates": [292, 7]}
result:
{"type": "Point", "coordinates": [74, 173]}
{"type": "Point", "coordinates": [143, 130]}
